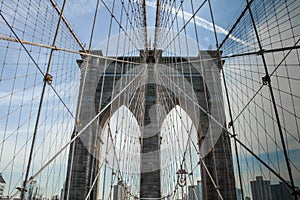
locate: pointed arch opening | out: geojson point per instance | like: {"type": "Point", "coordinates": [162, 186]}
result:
{"type": "Point", "coordinates": [179, 150]}
{"type": "Point", "coordinates": [120, 155]}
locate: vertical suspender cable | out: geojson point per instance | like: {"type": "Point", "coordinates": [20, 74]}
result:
{"type": "Point", "coordinates": [41, 104]}
{"type": "Point", "coordinates": [267, 76]}
{"type": "Point", "coordinates": [227, 98]}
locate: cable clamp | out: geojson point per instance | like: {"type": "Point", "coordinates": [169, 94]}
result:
{"type": "Point", "coordinates": [261, 52]}
{"type": "Point", "coordinates": [21, 189]}
{"type": "Point", "coordinates": [266, 79]}
{"type": "Point", "coordinates": [48, 78]}
{"type": "Point", "coordinates": [160, 141]}
{"type": "Point", "coordinates": [233, 135]}
{"type": "Point", "coordinates": [230, 124]}
{"type": "Point", "coordinates": [78, 123]}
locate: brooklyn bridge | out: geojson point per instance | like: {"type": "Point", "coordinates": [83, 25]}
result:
{"type": "Point", "coordinates": [144, 99]}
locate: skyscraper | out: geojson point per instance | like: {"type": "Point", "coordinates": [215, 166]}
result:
{"type": "Point", "coordinates": [281, 192]}
{"type": "Point", "coordinates": [238, 194]}
{"type": "Point", "coordinates": [194, 191]}
{"type": "Point", "coordinates": [33, 191]}
{"type": "Point", "coordinates": [119, 191]}
{"type": "Point", "coordinates": [2, 185]}
{"type": "Point", "coordinates": [261, 189]}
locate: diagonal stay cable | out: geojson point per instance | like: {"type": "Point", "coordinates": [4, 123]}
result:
{"type": "Point", "coordinates": [238, 141]}
{"type": "Point", "coordinates": [86, 65]}
{"type": "Point", "coordinates": [234, 25]}
{"type": "Point", "coordinates": [11, 39]}
{"type": "Point", "coordinates": [193, 100]}
{"type": "Point", "coordinates": [59, 12]}
{"type": "Point", "coordinates": [86, 126]}
{"type": "Point", "coordinates": [34, 62]}
{"type": "Point", "coordinates": [189, 138]}
{"type": "Point", "coordinates": [271, 74]}
{"type": "Point", "coordinates": [117, 21]}
{"type": "Point", "coordinates": [187, 22]}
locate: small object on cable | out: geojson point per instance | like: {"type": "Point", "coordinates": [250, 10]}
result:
{"type": "Point", "coordinates": [21, 189]}
{"type": "Point", "coordinates": [230, 124]}
{"type": "Point", "coordinates": [261, 52]}
{"type": "Point", "coordinates": [266, 79]}
{"type": "Point", "coordinates": [101, 141]}
{"type": "Point", "coordinates": [297, 192]}
{"type": "Point", "coordinates": [79, 123]}
{"type": "Point", "coordinates": [48, 78]}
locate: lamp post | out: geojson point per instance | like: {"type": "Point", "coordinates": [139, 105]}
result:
{"type": "Point", "coordinates": [181, 178]}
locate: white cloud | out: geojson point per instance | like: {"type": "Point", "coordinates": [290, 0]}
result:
{"type": "Point", "coordinates": [77, 8]}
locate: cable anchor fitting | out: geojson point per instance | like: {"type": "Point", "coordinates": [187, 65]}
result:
{"type": "Point", "coordinates": [48, 78]}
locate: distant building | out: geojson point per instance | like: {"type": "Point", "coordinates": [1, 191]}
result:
{"type": "Point", "coordinates": [55, 197]}
{"type": "Point", "coordinates": [120, 191]}
{"type": "Point", "coordinates": [185, 196]}
{"type": "Point", "coordinates": [32, 191]}
{"type": "Point", "coordinates": [2, 186]}
{"type": "Point", "coordinates": [62, 193]}
{"type": "Point", "coordinates": [281, 192]}
{"type": "Point", "coordinates": [195, 192]}
{"type": "Point", "coordinates": [238, 194]}
{"type": "Point", "coordinates": [261, 189]}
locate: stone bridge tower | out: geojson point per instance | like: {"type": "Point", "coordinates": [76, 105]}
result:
{"type": "Point", "coordinates": [82, 164]}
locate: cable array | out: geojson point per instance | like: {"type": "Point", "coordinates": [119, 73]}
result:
{"type": "Point", "coordinates": [261, 92]}
{"type": "Point", "coordinates": [75, 101]}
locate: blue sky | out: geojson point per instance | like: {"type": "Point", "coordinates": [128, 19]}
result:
{"type": "Point", "coordinates": [80, 15]}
